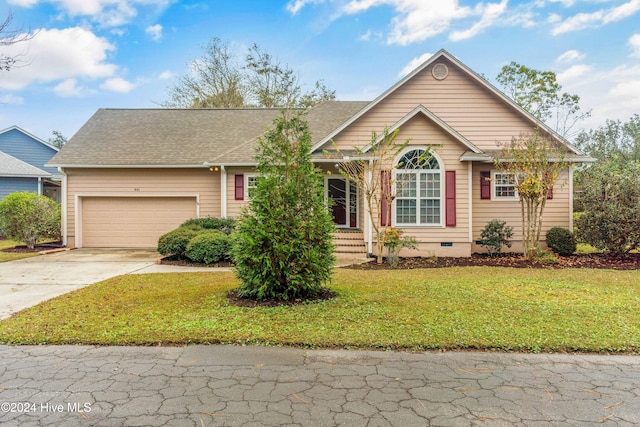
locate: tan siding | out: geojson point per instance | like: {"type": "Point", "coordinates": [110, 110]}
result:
{"type": "Point", "coordinates": [138, 182]}
{"type": "Point", "coordinates": [234, 206]}
{"type": "Point", "coordinates": [556, 213]}
{"type": "Point", "coordinates": [461, 102]}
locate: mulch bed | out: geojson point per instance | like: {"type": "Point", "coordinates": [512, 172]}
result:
{"type": "Point", "coordinates": [235, 299]}
{"type": "Point", "coordinates": [37, 248]}
{"type": "Point", "coordinates": [630, 262]}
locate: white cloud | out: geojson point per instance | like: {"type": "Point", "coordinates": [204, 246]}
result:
{"type": "Point", "coordinates": [11, 99]}
{"type": "Point", "coordinates": [414, 63]}
{"type": "Point", "coordinates": [110, 13]}
{"type": "Point", "coordinates": [59, 54]}
{"type": "Point", "coordinates": [366, 36]}
{"type": "Point", "coordinates": [610, 93]}
{"type": "Point", "coordinates": [118, 84]}
{"type": "Point", "coordinates": [294, 6]}
{"type": "Point", "coordinates": [570, 56]}
{"type": "Point", "coordinates": [565, 3]}
{"type": "Point", "coordinates": [598, 18]}
{"type": "Point", "coordinates": [68, 88]}
{"type": "Point", "coordinates": [165, 75]}
{"type": "Point", "coordinates": [489, 13]}
{"type": "Point", "coordinates": [154, 31]}
{"type": "Point", "coordinates": [573, 72]}
{"type": "Point", "coordinates": [634, 42]}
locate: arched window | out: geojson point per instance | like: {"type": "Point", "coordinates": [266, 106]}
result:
{"type": "Point", "coordinates": [418, 189]}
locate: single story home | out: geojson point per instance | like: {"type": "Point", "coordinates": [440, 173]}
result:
{"type": "Point", "coordinates": [22, 164]}
{"type": "Point", "coordinates": [130, 175]}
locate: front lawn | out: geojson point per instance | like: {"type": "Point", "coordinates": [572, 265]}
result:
{"type": "Point", "coordinates": [444, 308]}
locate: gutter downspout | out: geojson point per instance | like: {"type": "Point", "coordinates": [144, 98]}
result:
{"type": "Point", "coordinates": [40, 186]}
{"type": "Point", "coordinates": [223, 191]}
{"type": "Point", "coordinates": [63, 202]}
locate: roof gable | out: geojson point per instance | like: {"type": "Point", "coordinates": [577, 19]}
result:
{"type": "Point", "coordinates": [424, 111]}
{"type": "Point", "coordinates": [474, 78]}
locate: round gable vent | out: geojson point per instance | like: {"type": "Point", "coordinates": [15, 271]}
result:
{"type": "Point", "coordinates": [440, 71]}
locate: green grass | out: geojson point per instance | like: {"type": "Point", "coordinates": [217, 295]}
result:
{"type": "Point", "coordinates": [10, 256]}
{"type": "Point", "coordinates": [450, 308]}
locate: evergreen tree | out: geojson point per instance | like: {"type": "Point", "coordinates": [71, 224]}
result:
{"type": "Point", "coordinates": [282, 246]}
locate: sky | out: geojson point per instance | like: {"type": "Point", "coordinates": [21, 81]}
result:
{"type": "Point", "coordinates": [91, 54]}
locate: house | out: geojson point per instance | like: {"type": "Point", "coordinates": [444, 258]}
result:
{"type": "Point", "coordinates": [131, 175]}
{"type": "Point", "coordinates": [22, 164]}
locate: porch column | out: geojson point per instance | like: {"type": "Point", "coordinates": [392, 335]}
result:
{"type": "Point", "coordinates": [367, 215]}
{"type": "Point", "coordinates": [223, 192]}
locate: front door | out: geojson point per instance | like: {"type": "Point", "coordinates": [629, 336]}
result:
{"type": "Point", "coordinates": [343, 208]}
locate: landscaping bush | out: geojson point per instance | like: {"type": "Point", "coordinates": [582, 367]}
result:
{"type": "Point", "coordinates": [225, 225]}
{"type": "Point", "coordinates": [611, 201]}
{"type": "Point", "coordinates": [561, 241]}
{"type": "Point", "coordinates": [175, 242]}
{"type": "Point", "coordinates": [282, 246]}
{"type": "Point", "coordinates": [29, 217]}
{"type": "Point", "coordinates": [495, 234]}
{"type": "Point", "coordinates": [209, 247]}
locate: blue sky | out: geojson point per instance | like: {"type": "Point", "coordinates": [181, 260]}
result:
{"type": "Point", "coordinates": [90, 54]}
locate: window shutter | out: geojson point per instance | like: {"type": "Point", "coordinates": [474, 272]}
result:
{"type": "Point", "coordinates": [550, 193]}
{"type": "Point", "coordinates": [240, 187]}
{"type": "Point", "coordinates": [485, 185]}
{"type": "Point", "coordinates": [385, 189]}
{"type": "Point", "coordinates": [450, 191]}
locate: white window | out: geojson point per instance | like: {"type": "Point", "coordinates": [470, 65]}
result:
{"type": "Point", "coordinates": [503, 186]}
{"type": "Point", "coordinates": [251, 183]}
{"type": "Point", "coordinates": [418, 181]}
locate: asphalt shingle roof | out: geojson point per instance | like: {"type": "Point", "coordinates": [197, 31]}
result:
{"type": "Point", "coordinates": [182, 137]}
{"type": "Point", "coordinates": [10, 166]}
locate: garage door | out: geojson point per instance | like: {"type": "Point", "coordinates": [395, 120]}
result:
{"type": "Point", "coordinates": [132, 222]}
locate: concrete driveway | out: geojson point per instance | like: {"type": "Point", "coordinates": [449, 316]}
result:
{"type": "Point", "coordinates": [29, 281]}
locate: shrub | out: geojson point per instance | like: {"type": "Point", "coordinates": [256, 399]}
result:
{"type": "Point", "coordinates": [543, 256]}
{"type": "Point", "coordinates": [175, 242]}
{"type": "Point", "coordinates": [611, 201]}
{"type": "Point", "coordinates": [226, 225]}
{"type": "Point", "coordinates": [29, 217]}
{"type": "Point", "coordinates": [209, 247]}
{"type": "Point", "coordinates": [561, 241]}
{"type": "Point", "coordinates": [495, 234]}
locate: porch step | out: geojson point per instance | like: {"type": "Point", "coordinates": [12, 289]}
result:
{"type": "Point", "coordinates": [350, 241]}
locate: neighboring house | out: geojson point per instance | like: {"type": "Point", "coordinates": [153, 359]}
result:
{"type": "Point", "coordinates": [132, 175]}
{"type": "Point", "coordinates": [22, 164]}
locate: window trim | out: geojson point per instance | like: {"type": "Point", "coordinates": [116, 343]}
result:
{"type": "Point", "coordinates": [498, 198]}
{"type": "Point", "coordinates": [417, 172]}
{"type": "Point", "coordinates": [247, 177]}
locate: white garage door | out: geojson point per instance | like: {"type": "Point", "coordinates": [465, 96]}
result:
{"type": "Point", "coordinates": [132, 222]}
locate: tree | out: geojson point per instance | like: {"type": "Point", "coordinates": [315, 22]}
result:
{"type": "Point", "coordinates": [536, 163]}
{"type": "Point", "coordinates": [613, 140]}
{"type": "Point", "coordinates": [29, 217]}
{"type": "Point", "coordinates": [539, 93]}
{"type": "Point", "coordinates": [10, 37]}
{"type": "Point", "coordinates": [218, 79]}
{"type": "Point", "coordinates": [58, 139]}
{"type": "Point", "coordinates": [611, 201]}
{"type": "Point", "coordinates": [282, 246]}
{"type": "Point", "coordinates": [375, 180]}
{"type": "Point", "coordinates": [215, 80]}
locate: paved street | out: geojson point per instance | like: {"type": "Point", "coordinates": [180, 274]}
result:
{"type": "Point", "coordinates": [228, 385]}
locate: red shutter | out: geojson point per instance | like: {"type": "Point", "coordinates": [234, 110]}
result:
{"type": "Point", "coordinates": [485, 185]}
{"type": "Point", "coordinates": [240, 187]}
{"type": "Point", "coordinates": [385, 189]}
{"type": "Point", "coordinates": [450, 191]}
{"type": "Point", "coordinates": [550, 193]}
